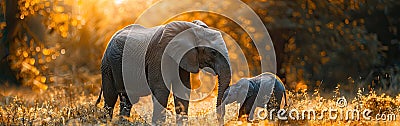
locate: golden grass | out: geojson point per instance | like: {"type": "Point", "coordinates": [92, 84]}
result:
{"type": "Point", "coordinates": [72, 105]}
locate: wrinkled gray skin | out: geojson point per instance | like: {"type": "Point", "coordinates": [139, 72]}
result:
{"type": "Point", "coordinates": [249, 88]}
{"type": "Point", "coordinates": [199, 57]}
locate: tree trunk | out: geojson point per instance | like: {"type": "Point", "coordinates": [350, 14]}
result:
{"type": "Point", "coordinates": [6, 74]}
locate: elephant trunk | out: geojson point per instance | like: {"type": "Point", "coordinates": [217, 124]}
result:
{"type": "Point", "coordinates": [222, 69]}
{"type": "Point", "coordinates": [224, 78]}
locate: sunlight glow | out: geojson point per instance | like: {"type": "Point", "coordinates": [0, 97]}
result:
{"type": "Point", "coordinates": [118, 1]}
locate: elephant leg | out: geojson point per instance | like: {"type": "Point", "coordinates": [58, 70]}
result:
{"type": "Point", "coordinates": [160, 101]}
{"type": "Point", "coordinates": [181, 109]}
{"type": "Point", "coordinates": [278, 98]}
{"type": "Point", "coordinates": [182, 102]}
{"type": "Point", "coordinates": [109, 92]}
{"type": "Point", "coordinates": [159, 90]}
{"type": "Point", "coordinates": [246, 107]}
{"type": "Point", "coordinates": [125, 105]}
{"type": "Point", "coordinates": [279, 95]}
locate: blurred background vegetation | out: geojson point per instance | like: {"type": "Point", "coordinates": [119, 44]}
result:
{"type": "Point", "coordinates": [319, 44]}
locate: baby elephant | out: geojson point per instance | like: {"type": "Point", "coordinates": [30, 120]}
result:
{"type": "Point", "coordinates": [256, 92]}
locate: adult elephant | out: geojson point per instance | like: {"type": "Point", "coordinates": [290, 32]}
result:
{"type": "Point", "coordinates": [138, 59]}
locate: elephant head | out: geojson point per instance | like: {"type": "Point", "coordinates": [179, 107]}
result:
{"type": "Point", "coordinates": [236, 91]}
{"type": "Point", "coordinates": [194, 46]}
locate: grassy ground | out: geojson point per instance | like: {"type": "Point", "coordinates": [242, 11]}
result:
{"type": "Point", "coordinates": [73, 104]}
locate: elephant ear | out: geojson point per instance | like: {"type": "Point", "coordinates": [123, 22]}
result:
{"type": "Point", "coordinates": [213, 39]}
{"type": "Point", "coordinates": [182, 40]}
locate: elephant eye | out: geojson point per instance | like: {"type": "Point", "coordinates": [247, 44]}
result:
{"type": "Point", "coordinates": [214, 52]}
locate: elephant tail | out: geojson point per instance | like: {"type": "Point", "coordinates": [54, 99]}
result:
{"type": "Point", "coordinates": [99, 98]}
